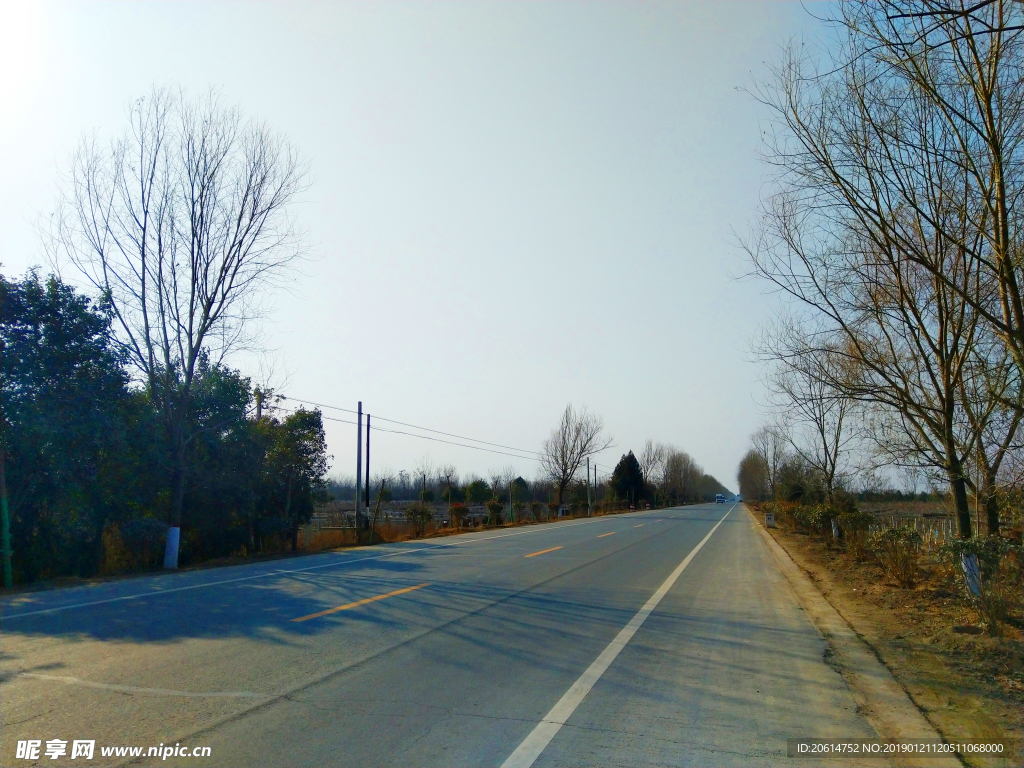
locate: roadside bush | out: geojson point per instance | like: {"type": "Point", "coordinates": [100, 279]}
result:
{"type": "Point", "coordinates": [457, 512]}
{"type": "Point", "coordinates": [535, 509]}
{"type": "Point", "coordinates": [1001, 575]}
{"type": "Point", "coordinates": [820, 517]}
{"type": "Point", "coordinates": [494, 509]}
{"type": "Point", "coordinates": [133, 545]}
{"type": "Point", "coordinates": [784, 512]}
{"type": "Point", "coordinates": [145, 534]}
{"type": "Point", "coordinates": [897, 549]}
{"type": "Point", "coordinates": [517, 511]}
{"type": "Point", "coordinates": [418, 515]}
{"type": "Point", "coordinates": [856, 527]}
{"type": "Point", "coordinates": [990, 551]}
{"type": "Point", "coordinates": [803, 518]}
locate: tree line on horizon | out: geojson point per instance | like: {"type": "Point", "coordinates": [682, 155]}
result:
{"type": "Point", "coordinates": [666, 477]}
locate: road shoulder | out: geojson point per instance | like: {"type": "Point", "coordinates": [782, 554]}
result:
{"type": "Point", "coordinates": [879, 696]}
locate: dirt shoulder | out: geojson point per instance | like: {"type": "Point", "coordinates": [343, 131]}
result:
{"type": "Point", "coordinates": [969, 686]}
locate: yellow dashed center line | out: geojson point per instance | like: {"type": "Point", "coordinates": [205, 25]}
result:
{"type": "Point", "coordinates": [357, 603]}
{"type": "Point", "coordinates": [607, 534]}
{"type": "Point", "coordinates": [543, 551]}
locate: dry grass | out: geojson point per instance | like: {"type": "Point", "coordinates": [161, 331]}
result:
{"type": "Point", "coordinates": [327, 538]}
{"type": "Point", "coordinates": [970, 685]}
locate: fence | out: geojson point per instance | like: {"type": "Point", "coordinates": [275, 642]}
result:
{"type": "Point", "coordinates": [934, 530]}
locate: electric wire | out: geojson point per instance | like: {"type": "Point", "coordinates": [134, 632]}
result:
{"type": "Point", "coordinates": [432, 439]}
{"type": "Point", "coordinates": [533, 455]}
{"type": "Point", "coordinates": [416, 426]}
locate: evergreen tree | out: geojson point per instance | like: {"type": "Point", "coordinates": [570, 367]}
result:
{"type": "Point", "coordinates": [628, 479]}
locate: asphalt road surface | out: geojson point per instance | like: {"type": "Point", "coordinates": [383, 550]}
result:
{"type": "Point", "coordinates": [657, 638]}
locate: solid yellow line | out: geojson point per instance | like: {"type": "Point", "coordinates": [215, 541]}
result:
{"type": "Point", "coordinates": [357, 603]}
{"type": "Point", "coordinates": [607, 534]}
{"type": "Point", "coordinates": [543, 551]}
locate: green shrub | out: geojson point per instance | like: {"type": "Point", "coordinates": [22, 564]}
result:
{"type": "Point", "coordinates": [897, 549]}
{"type": "Point", "coordinates": [802, 517]}
{"type": "Point", "coordinates": [990, 550]}
{"type": "Point", "coordinates": [495, 507]}
{"type": "Point", "coordinates": [457, 513]}
{"type": "Point", "coordinates": [821, 516]}
{"type": "Point", "coordinates": [1002, 577]}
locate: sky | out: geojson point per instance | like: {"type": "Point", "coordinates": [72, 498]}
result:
{"type": "Point", "coordinates": [512, 206]}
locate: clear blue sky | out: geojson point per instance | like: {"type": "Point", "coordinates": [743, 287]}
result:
{"type": "Point", "coordinates": [514, 205]}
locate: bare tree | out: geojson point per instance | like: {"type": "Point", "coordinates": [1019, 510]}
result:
{"type": "Point", "coordinates": [812, 409]}
{"type": "Point", "coordinates": [680, 476]}
{"type": "Point", "coordinates": [426, 473]}
{"type": "Point", "coordinates": [868, 196]}
{"type": "Point", "coordinates": [652, 461]}
{"type": "Point", "coordinates": [770, 443]}
{"type": "Point", "coordinates": [578, 435]}
{"type": "Point", "coordinates": [181, 223]}
{"type": "Point", "coordinates": [968, 61]}
{"type": "Point", "coordinates": [992, 396]}
{"type": "Point", "coordinates": [383, 481]}
{"type": "Point", "coordinates": [449, 475]}
{"type": "Point", "coordinates": [752, 477]}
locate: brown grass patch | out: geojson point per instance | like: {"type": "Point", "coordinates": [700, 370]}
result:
{"type": "Point", "coordinates": [969, 685]}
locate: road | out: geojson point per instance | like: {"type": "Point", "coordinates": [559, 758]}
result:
{"type": "Point", "coordinates": [656, 638]}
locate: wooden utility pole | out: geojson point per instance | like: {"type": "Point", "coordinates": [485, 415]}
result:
{"type": "Point", "coordinates": [359, 458]}
{"type": "Point", "coordinates": [588, 487]}
{"type": "Point", "coordinates": [367, 466]}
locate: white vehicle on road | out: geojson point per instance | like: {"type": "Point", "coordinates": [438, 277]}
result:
{"type": "Point", "coordinates": [720, 499]}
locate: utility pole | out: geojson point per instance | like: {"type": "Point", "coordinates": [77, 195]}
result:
{"type": "Point", "coordinates": [359, 458]}
{"type": "Point", "coordinates": [588, 486]}
{"type": "Point", "coordinates": [367, 469]}
{"type": "Point", "coordinates": [511, 514]}
{"type": "Point", "coordinates": [259, 404]}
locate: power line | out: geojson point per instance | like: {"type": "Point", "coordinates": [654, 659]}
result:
{"type": "Point", "coordinates": [432, 439]}
{"type": "Point", "coordinates": [416, 426]}
{"type": "Point", "coordinates": [533, 455]}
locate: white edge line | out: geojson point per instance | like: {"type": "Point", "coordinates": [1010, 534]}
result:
{"type": "Point", "coordinates": [158, 592]}
{"type": "Point", "coordinates": [542, 734]}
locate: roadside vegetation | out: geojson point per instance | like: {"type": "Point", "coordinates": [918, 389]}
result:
{"type": "Point", "coordinates": [89, 465]}
{"type": "Point", "coordinates": [892, 235]}
{"type": "Point", "coordinates": [438, 501]}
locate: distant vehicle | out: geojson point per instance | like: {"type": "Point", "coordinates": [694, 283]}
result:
{"type": "Point", "coordinates": [719, 499]}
